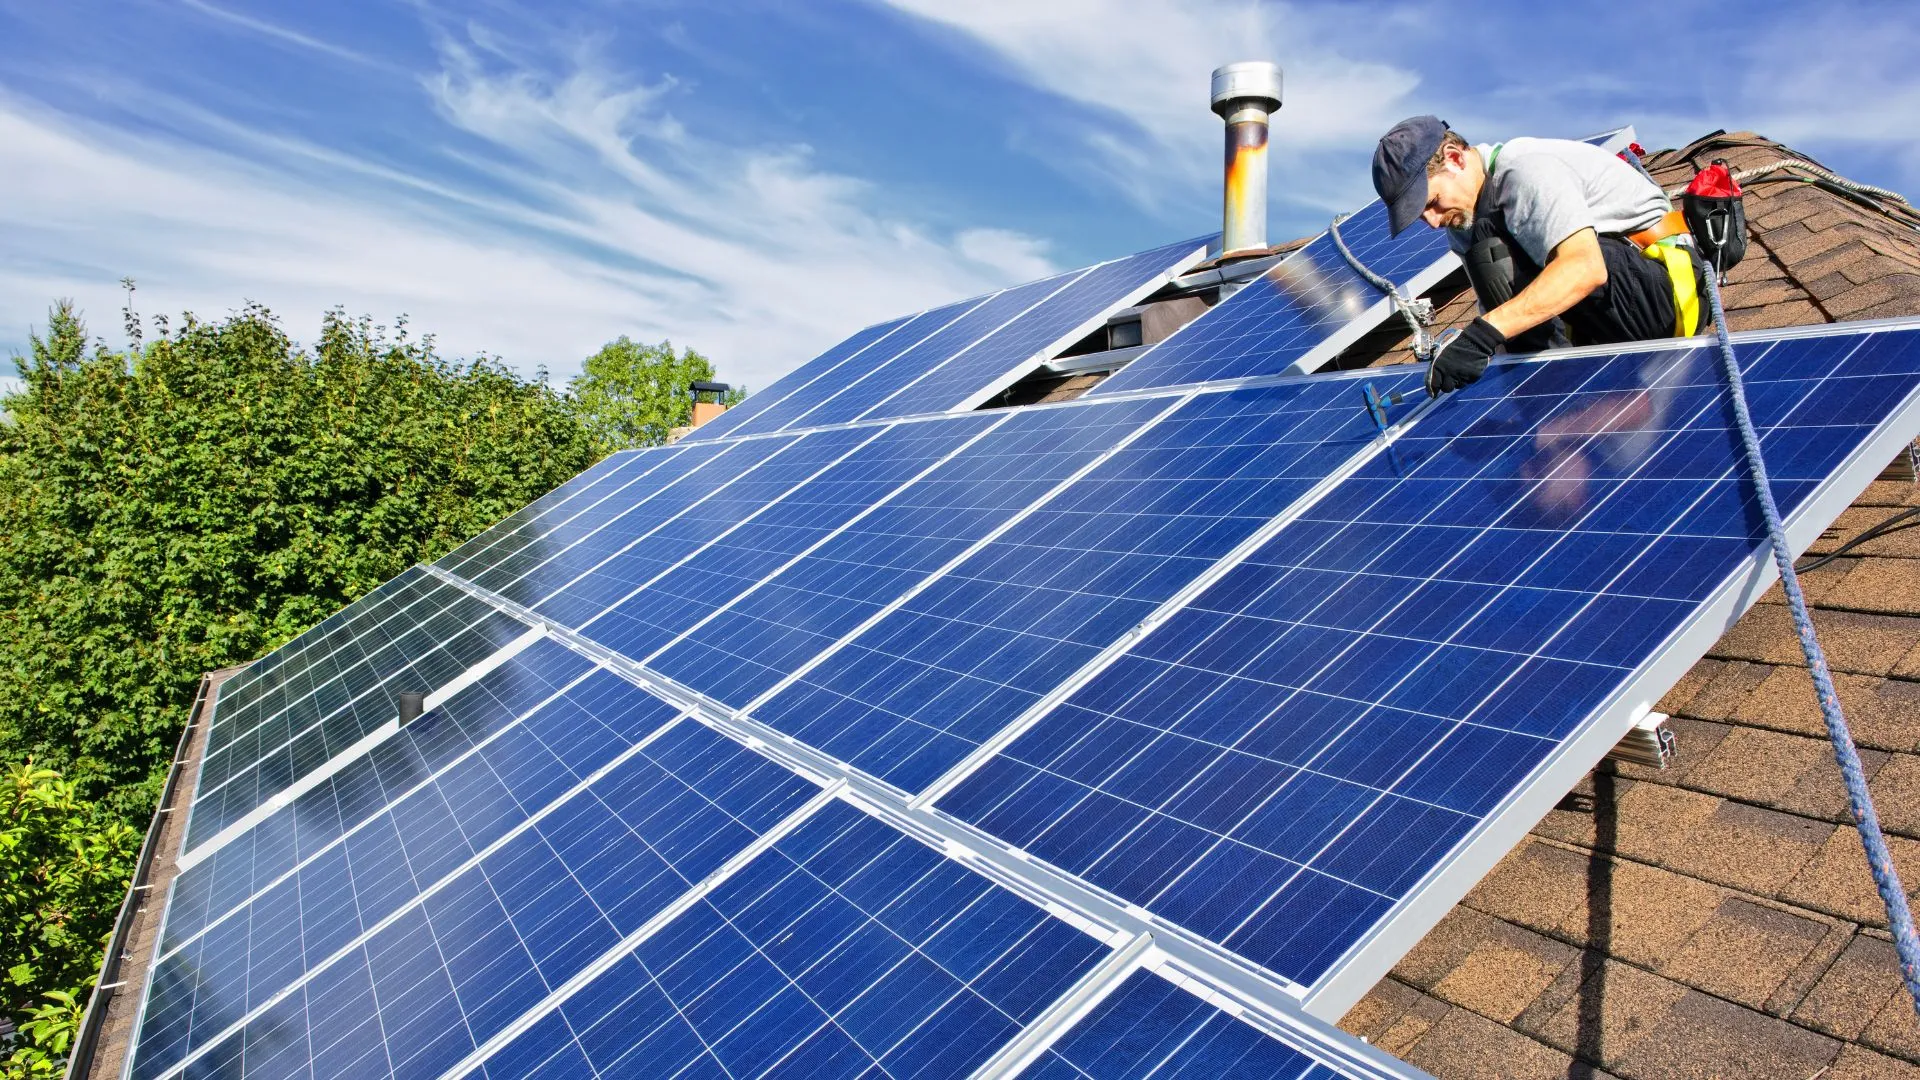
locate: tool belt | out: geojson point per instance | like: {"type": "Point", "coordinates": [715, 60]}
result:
{"type": "Point", "coordinates": [1668, 242]}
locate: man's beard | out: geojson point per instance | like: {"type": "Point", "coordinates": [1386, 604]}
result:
{"type": "Point", "coordinates": [1463, 219]}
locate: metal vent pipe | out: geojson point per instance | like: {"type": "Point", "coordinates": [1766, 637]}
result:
{"type": "Point", "coordinates": [1245, 95]}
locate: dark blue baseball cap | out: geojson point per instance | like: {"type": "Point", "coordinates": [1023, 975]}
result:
{"type": "Point", "coordinates": [1400, 167]}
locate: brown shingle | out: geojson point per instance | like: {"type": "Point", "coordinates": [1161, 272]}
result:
{"type": "Point", "coordinates": [1701, 836]}
{"type": "Point", "coordinates": [1855, 642]}
{"type": "Point", "coordinates": [1836, 881]}
{"type": "Point", "coordinates": [1704, 1038]}
{"type": "Point", "coordinates": [1786, 772]}
{"type": "Point", "coordinates": [1746, 952]}
{"type": "Point", "coordinates": [1464, 1045]}
{"type": "Point", "coordinates": [1855, 1063]}
{"type": "Point", "coordinates": [1848, 998]}
{"type": "Point", "coordinates": [1615, 1009]}
{"type": "Point", "coordinates": [1896, 794]}
{"type": "Point", "coordinates": [1884, 713]}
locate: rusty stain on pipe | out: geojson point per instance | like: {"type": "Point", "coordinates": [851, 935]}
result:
{"type": "Point", "coordinates": [1244, 95]}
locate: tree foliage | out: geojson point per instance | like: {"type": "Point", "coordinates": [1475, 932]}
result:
{"type": "Point", "coordinates": [191, 503]}
{"type": "Point", "coordinates": [64, 866]}
{"type": "Point", "coordinates": [633, 395]}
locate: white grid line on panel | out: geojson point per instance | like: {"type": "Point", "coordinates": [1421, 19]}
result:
{"type": "Point", "coordinates": [960, 559]}
{"type": "Point", "coordinates": [1167, 608]}
{"type": "Point", "coordinates": [1066, 280]}
{"type": "Point", "coordinates": [251, 767]}
{"type": "Point", "coordinates": [188, 859]}
{"type": "Point", "coordinates": [873, 508]}
{"type": "Point", "coordinates": [429, 780]}
{"type": "Point", "coordinates": [1027, 365]}
{"type": "Point", "coordinates": [797, 486]}
{"type": "Point", "coordinates": [666, 455]}
{"type": "Point", "coordinates": [652, 926]}
{"type": "Point", "coordinates": [534, 512]}
{"type": "Point", "coordinates": [694, 438]}
{"type": "Point", "coordinates": [961, 309]}
{"type": "Point", "coordinates": [417, 900]}
{"type": "Point", "coordinates": [1067, 1010]}
{"type": "Point", "coordinates": [663, 523]}
{"type": "Point", "coordinates": [328, 657]}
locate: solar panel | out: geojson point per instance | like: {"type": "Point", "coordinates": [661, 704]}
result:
{"type": "Point", "coordinates": [553, 556]}
{"type": "Point", "coordinates": [882, 382]}
{"type": "Point", "coordinates": [956, 356]}
{"type": "Point", "coordinates": [761, 542]}
{"type": "Point", "coordinates": [280, 737]}
{"type": "Point", "coordinates": [1127, 736]}
{"type": "Point", "coordinates": [856, 369]}
{"type": "Point", "coordinates": [1161, 1026]}
{"type": "Point", "coordinates": [1299, 315]}
{"type": "Point", "coordinates": [754, 645]}
{"type": "Point", "coordinates": [1297, 759]}
{"type": "Point", "coordinates": [844, 949]}
{"type": "Point", "coordinates": [994, 362]}
{"type": "Point", "coordinates": [217, 877]}
{"type": "Point", "coordinates": [403, 947]}
{"type": "Point", "coordinates": [801, 379]}
{"type": "Point", "coordinates": [918, 691]}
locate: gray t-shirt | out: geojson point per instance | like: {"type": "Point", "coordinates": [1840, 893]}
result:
{"type": "Point", "coordinates": [1549, 189]}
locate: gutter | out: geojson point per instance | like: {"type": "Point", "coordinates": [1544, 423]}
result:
{"type": "Point", "coordinates": [80, 1058]}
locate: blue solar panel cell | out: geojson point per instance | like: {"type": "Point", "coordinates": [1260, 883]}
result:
{"type": "Point", "coordinates": [317, 819]}
{"type": "Point", "coordinates": [416, 940]}
{"type": "Point", "coordinates": [913, 695]}
{"type": "Point", "coordinates": [749, 647]}
{"type": "Point", "coordinates": [759, 547]}
{"type": "Point", "coordinates": [885, 380]}
{"type": "Point", "coordinates": [726, 506]}
{"type": "Point", "coordinates": [1280, 317]}
{"type": "Point", "coordinates": [820, 370]}
{"type": "Point", "coordinates": [344, 889]}
{"type": "Point", "coordinates": [1053, 324]}
{"type": "Point", "coordinates": [1283, 760]}
{"type": "Point", "coordinates": [837, 382]}
{"type": "Point", "coordinates": [846, 950]}
{"type": "Point", "coordinates": [577, 547]}
{"type": "Point", "coordinates": [271, 755]}
{"type": "Point", "coordinates": [1150, 1029]}
{"type": "Point", "coordinates": [315, 657]}
{"type": "Point", "coordinates": [601, 479]}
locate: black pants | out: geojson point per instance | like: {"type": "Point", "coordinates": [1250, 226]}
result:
{"type": "Point", "coordinates": [1636, 303]}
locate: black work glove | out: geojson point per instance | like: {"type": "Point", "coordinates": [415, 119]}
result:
{"type": "Point", "coordinates": [1464, 359]}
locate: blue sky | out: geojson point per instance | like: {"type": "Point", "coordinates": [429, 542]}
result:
{"type": "Point", "coordinates": [759, 179]}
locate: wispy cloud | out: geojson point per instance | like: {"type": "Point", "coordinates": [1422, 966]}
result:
{"type": "Point", "coordinates": [276, 32]}
{"type": "Point", "coordinates": [1144, 65]}
{"type": "Point", "coordinates": [577, 209]}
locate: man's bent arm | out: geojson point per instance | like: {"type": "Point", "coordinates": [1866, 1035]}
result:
{"type": "Point", "coordinates": [1574, 270]}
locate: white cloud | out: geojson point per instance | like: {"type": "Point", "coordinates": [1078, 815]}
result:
{"type": "Point", "coordinates": [1147, 62]}
{"type": "Point", "coordinates": [598, 215]}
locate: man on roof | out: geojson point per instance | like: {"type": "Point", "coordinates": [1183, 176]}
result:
{"type": "Point", "coordinates": [1561, 239]}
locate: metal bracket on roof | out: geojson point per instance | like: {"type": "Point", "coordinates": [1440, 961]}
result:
{"type": "Point", "coordinates": [1648, 743]}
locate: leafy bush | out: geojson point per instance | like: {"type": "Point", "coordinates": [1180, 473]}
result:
{"type": "Point", "coordinates": [64, 867]}
{"type": "Point", "coordinates": [185, 505]}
